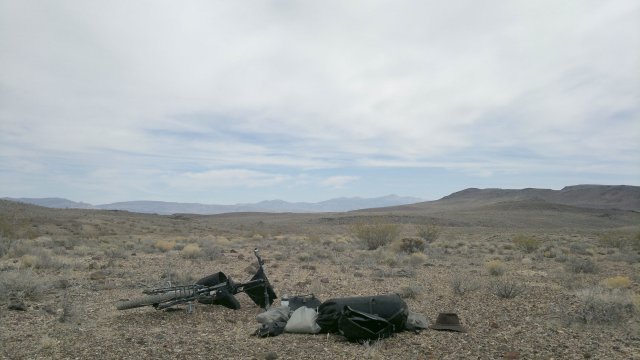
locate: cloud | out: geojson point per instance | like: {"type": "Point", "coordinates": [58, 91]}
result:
{"type": "Point", "coordinates": [338, 181]}
{"type": "Point", "coordinates": [228, 178]}
{"type": "Point", "coordinates": [292, 87]}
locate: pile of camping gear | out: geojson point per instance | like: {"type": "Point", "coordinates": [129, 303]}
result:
{"type": "Point", "coordinates": [358, 319]}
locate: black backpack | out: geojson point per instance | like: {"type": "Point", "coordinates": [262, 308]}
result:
{"type": "Point", "coordinates": [389, 307]}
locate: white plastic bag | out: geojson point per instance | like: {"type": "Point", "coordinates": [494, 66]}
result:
{"type": "Point", "coordinates": [303, 321]}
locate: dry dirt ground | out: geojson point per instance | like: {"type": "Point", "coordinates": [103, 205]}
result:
{"type": "Point", "coordinates": [58, 288]}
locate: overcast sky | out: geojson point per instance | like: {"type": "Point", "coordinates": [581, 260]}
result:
{"type": "Point", "coordinates": [242, 101]}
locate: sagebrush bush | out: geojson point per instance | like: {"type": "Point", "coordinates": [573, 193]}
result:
{"type": "Point", "coordinates": [526, 243]}
{"type": "Point", "coordinates": [617, 282]}
{"type": "Point", "coordinates": [22, 285]}
{"type": "Point", "coordinates": [411, 245]}
{"type": "Point", "coordinates": [495, 267]}
{"type": "Point", "coordinates": [375, 235]}
{"type": "Point", "coordinates": [506, 288]}
{"type": "Point", "coordinates": [580, 265]}
{"type": "Point", "coordinates": [601, 305]}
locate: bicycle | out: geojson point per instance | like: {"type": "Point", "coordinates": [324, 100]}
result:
{"type": "Point", "coordinates": [213, 289]}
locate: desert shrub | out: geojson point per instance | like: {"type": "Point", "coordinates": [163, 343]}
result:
{"type": "Point", "coordinates": [580, 265]}
{"type": "Point", "coordinates": [410, 291]}
{"type": "Point", "coordinates": [416, 259]}
{"type": "Point", "coordinates": [391, 259]}
{"type": "Point", "coordinates": [115, 253]}
{"type": "Point", "coordinates": [164, 245]}
{"type": "Point", "coordinates": [526, 243]}
{"type": "Point", "coordinates": [211, 251]}
{"type": "Point", "coordinates": [40, 259]}
{"type": "Point", "coordinates": [22, 285]}
{"type": "Point", "coordinates": [176, 278]}
{"type": "Point", "coordinates": [375, 235]}
{"type": "Point", "coordinates": [620, 240]}
{"type": "Point", "coordinates": [429, 232]}
{"type": "Point", "coordinates": [191, 251]}
{"type": "Point", "coordinates": [304, 257]}
{"type": "Point", "coordinates": [411, 245]}
{"type": "Point", "coordinates": [461, 285]}
{"type": "Point", "coordinates": [495, 267]}
{"type": "Point", "coordinates": [601, 305]}
{"type": "Point", "coordinates": [617, 282]}
{"type": "Point", "coordinates": [506, 288]}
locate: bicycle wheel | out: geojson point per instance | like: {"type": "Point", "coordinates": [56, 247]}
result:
{"type": "Point", "coordinates": [152, 299]}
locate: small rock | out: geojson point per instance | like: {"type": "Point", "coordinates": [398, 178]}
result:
{"type": "Point", "coordinates": [17, 305]}
{"type": "Point", "coordinates": [271, 355]}
{"type": "Point", "coordinates": [324, 280]}
{"type": "Point", "coordinates": [511, 355]}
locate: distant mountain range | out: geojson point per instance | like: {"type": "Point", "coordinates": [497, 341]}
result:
{"type": "Point", "coordinates": [276, 206]}
{"type": "Point", "coordinates": [621, 197]}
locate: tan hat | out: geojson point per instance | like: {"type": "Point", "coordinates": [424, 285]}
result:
{"type": "Point", "coordinates": [449, 322]}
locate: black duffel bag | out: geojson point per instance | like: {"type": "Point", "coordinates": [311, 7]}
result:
{"type": "Point", "coordinates": [358, 326]}
{"type": "Point", "coordinates": [390, 307]}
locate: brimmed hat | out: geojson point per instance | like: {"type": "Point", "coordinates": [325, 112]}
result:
{"type": "Point", "coordinates": [449, 322]}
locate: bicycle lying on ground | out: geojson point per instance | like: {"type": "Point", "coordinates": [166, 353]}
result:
{"type": "Point", "coordinates": [213, 289]}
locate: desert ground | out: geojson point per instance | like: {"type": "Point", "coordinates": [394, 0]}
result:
{"type": "Point", "coordinates": [529, 280]}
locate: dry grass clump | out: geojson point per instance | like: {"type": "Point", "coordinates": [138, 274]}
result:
{"type": "Point", "coordinates": [164, 245]}
{"type": "Point", "coordinates": [617, 282]}
{"type": "Point", "coordinates": [461, 285]}
{"type": "Point", "coordinates": [416, 259]}
{"type": "Point", "coordinates": [375, 235]}
{"type": "Point", "coordinates": [526, 243]}
{"type": "Point", "coordinates": [580, 265]}
{"type": "Point", "coordinates": [40, 259]}
{"type": "Point", "coordinates": [191, 251]}
{"type": "Point", "coordinates": [602, 305]}
{"type": "Point", "coordinates": [495, 267]}
{"type": "Point", "coordinates": [429, 233]}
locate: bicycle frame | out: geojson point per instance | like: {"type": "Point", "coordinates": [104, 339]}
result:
{"type": "Point", "coordinates": [190, 293]}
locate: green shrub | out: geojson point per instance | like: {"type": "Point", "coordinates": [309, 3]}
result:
{"type": "Point", "coordinates": [412, 245]}
{"type": "Point", "coordinates": [376, 235]}
{"type": "Point", "coordinates": [526, 243]}
{"type": "Point", "coordinates": [429, 232]}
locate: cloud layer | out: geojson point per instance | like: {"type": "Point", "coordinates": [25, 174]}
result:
{"type": "Point", "coordinates": [149, 98]}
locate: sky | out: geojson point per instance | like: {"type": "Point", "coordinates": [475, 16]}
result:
{"type": "Point", "coordinates": [241, 101]}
